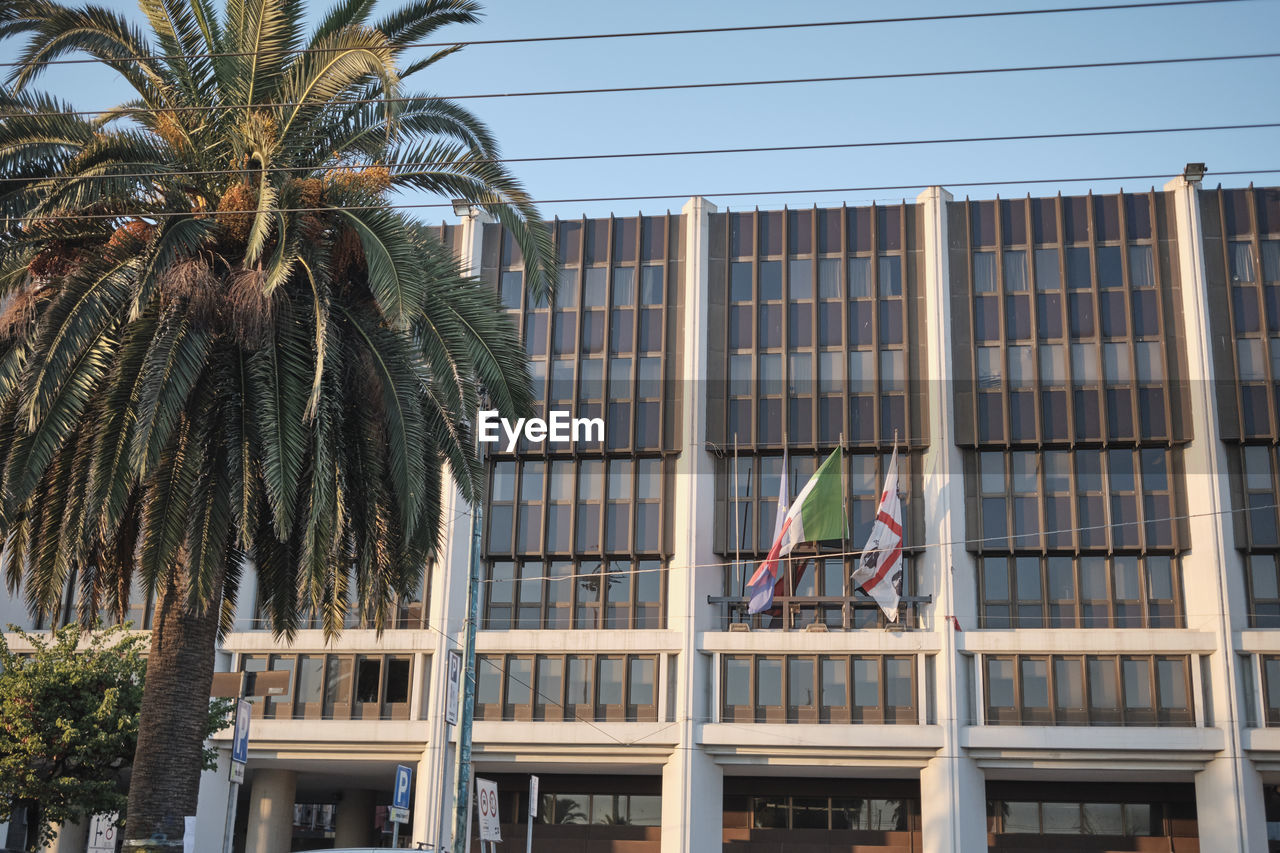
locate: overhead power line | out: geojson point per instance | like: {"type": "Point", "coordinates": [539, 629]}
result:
{"type": "Point", "coordinates": [759, 149]}
{"type": "Point", "coordinates": [910, 19]}
{"type": "Point", "coordinates": [142, 214]}
{"type": "Point", "coordinates": [668, 87]}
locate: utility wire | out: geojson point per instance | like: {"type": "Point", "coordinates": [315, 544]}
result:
{"type": "Point", "coordinates": [649, 33]}
{"type": "Point", "coordinates": [693, 152]}
{"type": "Point", "coordinates": [163, 214]}
{"type": "Point", "coordinates": [912, 550]}
{"type": "Point", "coordinates": [666, 87]}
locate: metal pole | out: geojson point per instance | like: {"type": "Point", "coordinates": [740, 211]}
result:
{"type": "Point", "coordinates": [395, 834]}
{"type": "Point", "coordinates": [528, 838]}
{"type": "Point", "coordinates": [462, 772]}
{"type": "Point", "coordinates": [233, 800]}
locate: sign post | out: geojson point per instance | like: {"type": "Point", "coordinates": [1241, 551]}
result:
{"type": "Point", "coordinates": [400, 801]}
{"type": "Point", "coordinates": [239, 758]}
{"type": "Point", "coordinates": [487, 799]}
{"type": "Point", "coordinates": [533, 812]}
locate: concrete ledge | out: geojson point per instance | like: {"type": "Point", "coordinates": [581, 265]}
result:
{"type": "Point", "coordinates": [830, 642]}
{"type": "Point", "coordinates": [1262, 745]}
{"type": "Point", "coordinates": [578, 641]}
{"type": "Point", "coordinates": [616, 747]}
{"type": "Point", "coordinates": [803, 745]}
{"type": "Point", "coordinates": [322, 735]}
{"type": "Point", "coordinates": [1133, 749]}
{"type": "Point", "coordinates": [1088, 640]}
{"type": "Point", "coordinates": [352, 640]}
{"type": "Point", "coordinates": [1258, 641]}
{"type": "Point", "coordinates": [569, 736]}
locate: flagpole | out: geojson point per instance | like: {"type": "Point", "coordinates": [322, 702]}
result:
{"type": "Point", "coordinates": [742, 582]}
{"type": "Point", "coordinates": [786, 479]}
{"type": "Point", "coordinates": [844, 530]}
{"type": "Point", "coordinates": [894, 457]}
{"type": "Point", "coordinates": [737, 523]}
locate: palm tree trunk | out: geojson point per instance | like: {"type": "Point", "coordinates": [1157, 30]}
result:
{"type": "Point", "coordinates": [165, 783]}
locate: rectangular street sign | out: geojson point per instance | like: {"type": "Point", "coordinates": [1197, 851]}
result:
{"type": "Point", "coordinates": [240, 740]}
{"type": "Point", "coordinates": [487, 799]}
{"type": "Point", "coordinates": [404, 781]}
{"type": "Point", "coordinates": [451, 689]}
{"type": "Point", "coordinates": [102, 833]}
{"type": "Point", "coordinates": [398, 815]}
{"type": "Point", "coordinates": [533, 796]}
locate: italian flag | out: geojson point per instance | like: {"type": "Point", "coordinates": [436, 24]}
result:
{"type": "Point", "coordinates": [817, 514]}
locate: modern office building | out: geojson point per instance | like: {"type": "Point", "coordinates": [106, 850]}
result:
{"type": "Point", "coordinates": [1084, 395]}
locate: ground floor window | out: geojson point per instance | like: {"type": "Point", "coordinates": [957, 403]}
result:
{"type": "Point", "coordinates": [839, 814]}
{"type": "Point", "coordinates": [1096, 815]}
{"type": "Point", "coordinates": [582, 812]}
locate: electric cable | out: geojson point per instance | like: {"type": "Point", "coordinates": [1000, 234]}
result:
{"type": "Point", "coordinates": [142, 214]}
{"type": "Point", "coordinates": [650, 33]}
{"type": "Point", "coordinates": [122, 112]}
{"type": "Point", "coordinates": [760, 149]}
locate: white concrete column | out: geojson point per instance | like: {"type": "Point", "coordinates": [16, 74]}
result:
{"type": "Point", "coordinates": [211, 816]}
{"type": "Point", "coordinates": [271, 811]}
{"type": "Point", "coordinates": [953, 805]}
{"type": "Point", "coordinates": [353, 823]}
{"type": "Point", "coordinates": [1229, 802]}
{"type": "Point", "coordinates": [72, 837]}
{"type": "Point", "coordinates": [952, 787]}
{"type": "Point", "coordinates": [692, 784]}
{"type": "Point", "coordinates": [433, 782]}
{"type": "Point", "coordinates": [247, 597]}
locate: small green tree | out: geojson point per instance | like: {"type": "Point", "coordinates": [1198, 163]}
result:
{"type": "Point", "coordinates": [69, 725]}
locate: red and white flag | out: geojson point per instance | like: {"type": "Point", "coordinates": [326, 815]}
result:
{"type": "Point", "coordinates": [879, 570]}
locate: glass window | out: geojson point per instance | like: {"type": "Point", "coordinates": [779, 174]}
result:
{"type": "Point", "coordinates": [1048, 277]}
{"type": "Point", "coordinates": [834, 687]}
{"type": "Point", "coordinates": [859, 278]}
{"type": "Point", "coordinates": [594, 287]}
{"type": "Point", "coordinates": [1241, 261]}
{"type": "Point", "coordinates": [1141, 271]}
{"type": "Point", "coordinates": [1136, 675]}
{"type": "Point", "coordinates": [984, 272]}
{"type": "Point", "coordinates": [1015, 271]}
{"type": "Point", "coordinates": [1000, 683]}
{"type": "Point", "coordinates": [890, 276]}
{"type": "Point", "coordinates": [737, 681]}
{"type": "Point", "coordinates": [1079, 270]}
{"type": "Point", "coordinates": [866, 682]}
{"type": "Point", "coordinates": [1110, 269]}
{"type": "Point", "coordinates": [828, 278]}
{"type": "Point", "coordinates": [770, 281]}
{"type": "Point", "coordinates": [769, 682]}
{"type": "Point", "coordinates": [800, 278]}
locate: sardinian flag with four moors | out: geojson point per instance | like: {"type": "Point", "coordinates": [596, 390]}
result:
{"type": "Point", "coordinates": [879, 570]}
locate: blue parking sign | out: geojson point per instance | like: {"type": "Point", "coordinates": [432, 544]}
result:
{"type": "Point", "coordinates": [240, 742]}
{"type": "Point", "coordinates": [404, 780]}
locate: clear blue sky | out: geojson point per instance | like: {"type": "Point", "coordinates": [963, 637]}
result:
{"type": "Point", "coordinates": [1038, 102]}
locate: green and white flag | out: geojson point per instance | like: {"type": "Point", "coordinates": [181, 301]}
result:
{"type": "Point", "coordinates": [818, 511]}
{"type": "Point", "coordinates": [816, 514]}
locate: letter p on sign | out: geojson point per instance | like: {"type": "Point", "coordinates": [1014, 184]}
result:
{"type": "Point", "coordinates": [404, 780]}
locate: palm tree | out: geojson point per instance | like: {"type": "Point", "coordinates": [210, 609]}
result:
{"type": "Point", "coordinates": [221, 341]}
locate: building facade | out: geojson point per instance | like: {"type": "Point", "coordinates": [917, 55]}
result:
{"type": "Point", "coordinates": [1084, 395]}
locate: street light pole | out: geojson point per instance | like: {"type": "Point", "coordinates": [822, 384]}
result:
{"type": "Point", "coordinates": [462, 768]}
